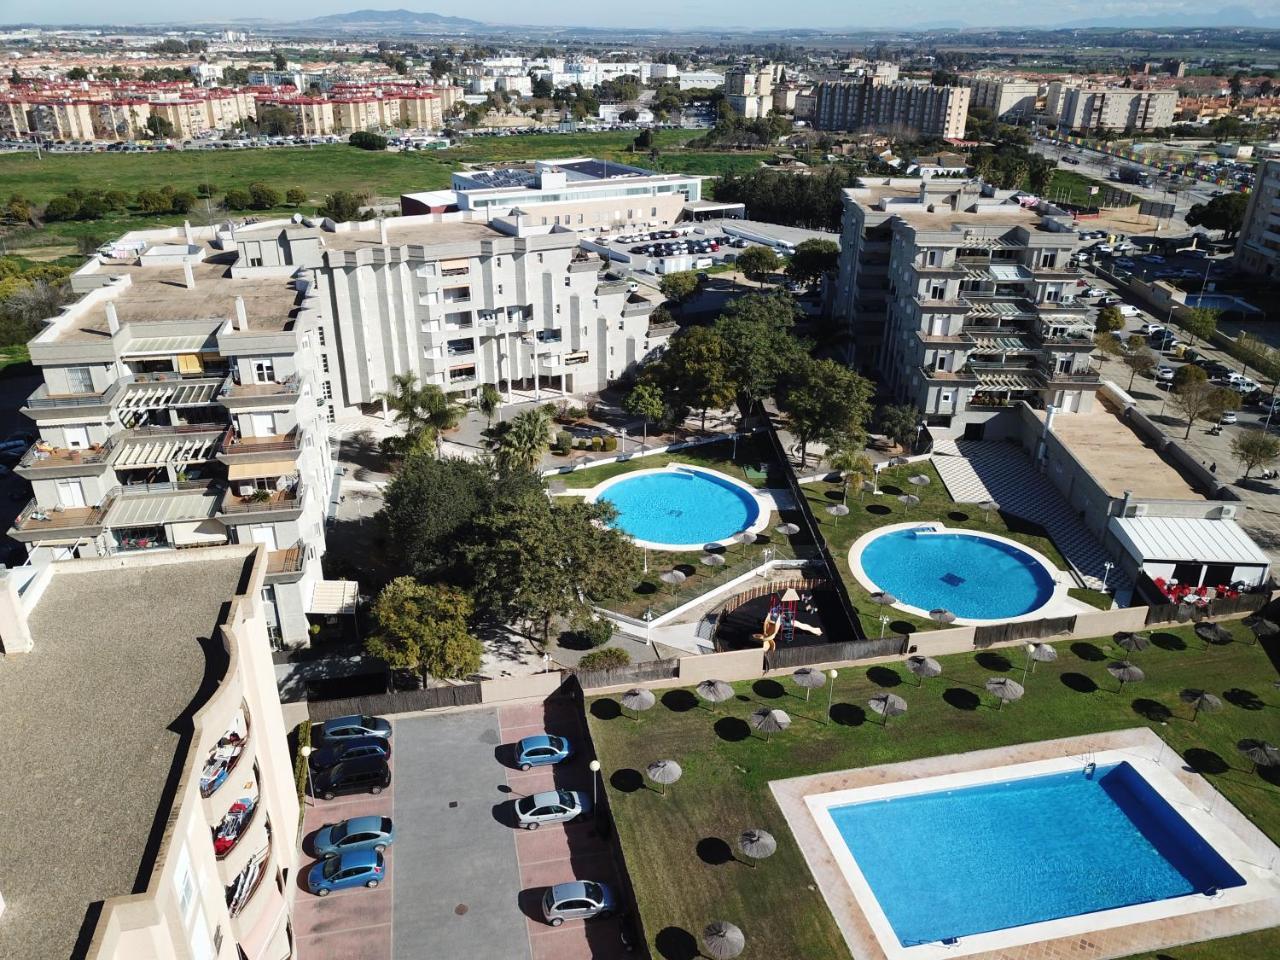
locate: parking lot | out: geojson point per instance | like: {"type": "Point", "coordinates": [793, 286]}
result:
{"type": "Point", "coordinates": [462, 881]}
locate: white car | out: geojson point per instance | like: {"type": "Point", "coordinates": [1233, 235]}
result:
{"type": "Point", "coordinates": [1129, 310]}
{"type": "Point", "coordinates": [1228, 417]}
{"type": "Point", "coordinates": [1149, 329]}
{"type": "Point", "coordinates": [1095, 292]}
{"type": "Point", "coordinates": [554, 806]}
{"type": "Point", "coordinates": [1164, 374]}
{"type": "Point", "coordinates": [1104, 248]}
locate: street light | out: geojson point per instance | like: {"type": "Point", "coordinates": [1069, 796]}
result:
{"type": "Point", "coordinates": [305, 751]}
{"type": "Point", "coordinates": [594, 766]}
{"type": "Point", "coordinates": [884, 622]}
{"type": "Point", "coordinates": [1106, 572]}
{"type": "Point", "coordinates": [831, 689]}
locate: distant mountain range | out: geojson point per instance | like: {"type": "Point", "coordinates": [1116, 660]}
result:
{"type": "Point", "coordinates": [1224, 17]}
{"type": "Point", "coordinates": [364, 19]}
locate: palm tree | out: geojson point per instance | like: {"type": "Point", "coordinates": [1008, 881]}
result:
{"type": "Point", "coordinates": [422, 408]}
{"type": "Point", "coordinates": [404, 399]}
{"type": "Point", "coordinates": [488, 402]}
{"type": "Point", "coordinates": [440, 412]}
{"type": "Point", "coordinates": [518, 444]}
{"type": "Point", "coordinates": [852, 465]}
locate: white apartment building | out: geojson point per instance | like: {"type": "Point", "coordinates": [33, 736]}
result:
{"type": "Point", "coordinates": [905, 106]}
{"type": "Point", "coordinates": [1258, 249]}
{"type": "Point", "coordinates": [960, 299]}
{"type": "Point", "coordinates": [171, 833]}
{"type": "Point", "coordinates": [1008, 98]}
{"type": "Point", "coordinates": [1072, 107]}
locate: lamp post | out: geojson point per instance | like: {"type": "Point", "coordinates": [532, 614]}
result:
{"type": "Point", "coordinates": [1106, 572]}
{"type": "Point", "coordinates": [1027, 666]}
{"type": "Point", "coordinates": [831, 689]}
{"type": "Point", "coordinates": [305, 751]}
{"type": "Point", "coordinates": [594, 765]}
{"type": "Point", "coordinates": [884, 622]}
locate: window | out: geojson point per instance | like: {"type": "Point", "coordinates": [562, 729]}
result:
{"type": "Point", "coordinates": [326, 389]}
{"type": "Point", "coordinates": [938, 291]}
{"type": "Point", "coordinates": [320, 335]}
{"type": "Point", "coordinates": [499, 289]}
{"type": "Point", "coordinates": [264, 370]}
{"type": "Point", "coordinates": [79, 380]}
{"type": "Point", "coordinates": [653, 211]}
{"type": "Point", "coordinates": [329, 415]}
{"type": "Point", "coordinates": [933, 258]}
{"type": "Point", "coordinates": [540, 258]}
{"type": "Point", "coordinates": [324, 362]}
{"type": "Point", "coordinates": [255, 261]}
{"type": "Point", "coordinates": [568, 281]}
{"type": "Point", "coordinates": [557, 308]}
{"type": "Point", "coordinates": [945, 397]}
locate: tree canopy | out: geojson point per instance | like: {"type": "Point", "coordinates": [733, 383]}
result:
{"type": "Point", "coordinates": [758, 344]}
{"type": "Point", "coordinates": [429, 507]}
{"type": "Point", "coordinates": [1225, 213]}
{"type": "Point", "coordinates": [1255, 448]}
{"type": "Point", "coordinates": [694, 371]}
{"type": "Point", "coordinates": [424, 628]}
{"type": "Point", "coordinates": [518, 444]}
{"type": "Point", "coordinates": [679, 286]}
{"type": "Point", "coordinates": [758, 263]}
{"type": "Point", "coordinates": [826, 402]}
{"type": "Point", "coordinates": [812, 260]}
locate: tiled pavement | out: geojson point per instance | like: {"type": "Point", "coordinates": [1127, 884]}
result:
{"type": "Point", "coordinates": [976, 471]}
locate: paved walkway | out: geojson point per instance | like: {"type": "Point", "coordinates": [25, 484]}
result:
{"type": "Point", "coordinates": [979, 471]}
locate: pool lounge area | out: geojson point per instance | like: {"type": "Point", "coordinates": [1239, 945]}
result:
{"type": "Point", "coordinates": [1106, 842]}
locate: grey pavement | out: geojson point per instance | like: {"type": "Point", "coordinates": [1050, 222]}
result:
{"type": "Point", "coordinates": [457, 884]}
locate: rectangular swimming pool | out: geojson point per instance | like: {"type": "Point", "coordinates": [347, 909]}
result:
{"type": "Point", "coordinates": [954, 863]}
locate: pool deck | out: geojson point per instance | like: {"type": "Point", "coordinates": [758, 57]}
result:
{"type": "Point", "coordinates": [1109, 934]}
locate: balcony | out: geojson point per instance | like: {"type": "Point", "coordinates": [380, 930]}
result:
{"type": "Point", "coordinates": [262, 505]}
{"type": "Point", "coordinates": [948, 376]}
{"type": "Point", "coordinates": [586, 263]}
{"type": "Point", "coordinates": [59, 523]}
{"type": "Point", "coordinates": [42, 404]}
{"type": "Point", "coordinates": [241, 890]}
{"type": "Point", "coordinates": [234, 825]}
{"type": "Point", "coordinates": [43, 459]}
{"type": "Point", "coordinates": [225, 755]}
{"type": "Point", "coordinates": [248, 396]}
{"type": "Point", "coordinates": [249, 449]}
{"type": "Point", "coordinates": [455, 271]}
{"type": "Point", "coordinates": [637, 306]}
{"type": "Point", "coordinates": [286, 566]}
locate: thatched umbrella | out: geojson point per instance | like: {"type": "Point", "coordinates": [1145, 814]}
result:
{"type": "Point", "coordinates": [769, 721]}
{"type": "Point", "coordinates": [664, 772]}
{"type": "Point", "coordinates": [638, 700]}
{"type": "Point", "coordinates": [1214, 633]}
{"type": "Point", "coordinates": [810, 679]}
{"type": "Point", "coordinates": [723, 941]}
{"type": "Point", "coordinates": [942, 617]}
{"type": "Point", "coordinates": [919, 480]}
{"type": "Point", "coordinates": [756, 844]}
{"type": "Point", "coordinates": [1260, 627]}
{"type": "Point", "coordinates": [909, 500]}
{"type": "Point", "coordinates": [1038, 653]}
{"type": "Point", "coordinates": [714, 691]}
{"type": "Point", "coordinates": [713, 559]}
{"type": "Point", "coordinates": [838, 510]}
{"type": "Point", "coordinates": [1125, 672]}
{"type": "Point", "coordinates": [884, 598]}
{"type": "Point", "coordinates": [1200, 700]}
{"type": "Point", "coordinates": [887, 705]}
{"type": "Point", "coordinates": [1262, 754]}
{"type": "Point", "coordinates": [898, 462]}
{"type": "Point", "coordinates": [673, 578]}
{"type": "Point", "coordinates": [1133, 642]}
{"type": "Point", "coordinates": [746, 538]}
{"type": "Point", "coordinates": [989, 507]}
{"type": "Point", "coordinates": [786, 529]}
{"type": "Point", "coordinates": [924, 667]}
{"type": "Point", "coordinates": [1004, 690]}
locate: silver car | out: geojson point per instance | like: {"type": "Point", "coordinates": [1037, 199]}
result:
{"type": "Point", "coordinates": [579, 900]}
{"type": "Point", "coordinates": [554, 806]}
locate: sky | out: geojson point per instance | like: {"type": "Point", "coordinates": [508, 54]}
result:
{"type": "Point", "coordinates": [673, 14]}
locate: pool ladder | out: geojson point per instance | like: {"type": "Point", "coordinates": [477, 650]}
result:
{"type": "Point", "coordinates": [1090, 766]}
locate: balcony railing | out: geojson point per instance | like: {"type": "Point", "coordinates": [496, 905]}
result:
{"type": "Point", "coordinates": [244, 886]}
{"type": "Point", "coordinates": [247, 391]}
{"type": "Point", "coordinates": [225, 755]}
{"type": "Point", "coordinates": [236, 823]}
{"type": "Point", "coordinates": [43, 455]}
{"type": "Point", "coordinates": [42, 399]}
{"type": "Point", "coordinates": [283, 563]}
{"type": "Point", "coordinates": [276, 500]}
{"type": "Point", "coordinates": [275, 443]}
{"type": "Point", "coordinates": [35, 519]}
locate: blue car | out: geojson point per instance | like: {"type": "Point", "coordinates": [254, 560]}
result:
{"type": "Point", "coordinates": [358, 833]}
{"type": "Point", "coordinates": [347, 728]}
{"type": "Point", "coordinates": [540, 750]}
{"type": "Point", "coordinates": [360, 868]}
{"type": "Point", "coordinates": [325, 757]}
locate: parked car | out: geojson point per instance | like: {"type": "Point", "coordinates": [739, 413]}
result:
{"type": "Point", "coordinates": [353, 749]}
{"type": "Point", "coordinates": [360, 868]}
{"type": "Point", "coordinates": [366, 775]}
{"type": "Point", "coordinates": [346, 728]}
{"type": "Point", "coordinates": [1095, 292]}
{"type": "Point", "coordinates": [1129, 310]}
{"type": "Point", "coordinates": [357, 833]}
{"type": "Point", "coordinates": [554, 806]}
{"type": "Point", "coordinates": [578, 900]}
{"type": "Point", "coordinates": [540, 750]}
{"type": "Point", "coordinates": [1149, 329]}
{"type": "Point", "coordinates": [1164, 373]}
{"type": "Point", "coordinates": [1228, 417]}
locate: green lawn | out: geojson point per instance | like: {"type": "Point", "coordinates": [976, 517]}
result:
{"type": "Point", "coordinates": [726, 773]}
{"type": "Point", "coordinates": [750, 465]}
{"type": "Point", "coordinates": [877, 511]}
{"type": "Point", "coordinates": [16, 354]}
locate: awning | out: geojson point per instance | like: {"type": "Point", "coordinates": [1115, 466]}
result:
{"type": "Point", "coordinates": [1006, 381]}
{"type": "Point", "coordinates": [264, 468]}
{"type": "Point", "coordinates": [196, 343]}
{"type": "Point", "coordinates": [330, 597]}
{"type": "Point", "coordinates": [1187, 540]}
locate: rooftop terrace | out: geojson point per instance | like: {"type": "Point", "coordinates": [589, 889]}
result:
{"type": "Point", "coordinates": [96, 719]}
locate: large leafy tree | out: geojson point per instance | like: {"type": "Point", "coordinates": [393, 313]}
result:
{"type": "Point", "coordinates": [694, 371]}
{"type": "Point", "coordinates": [1110, 319]}
{"type": "Point", "coordinates": [813, 259]}
{"type": "Point", "coordinates": [534, 559]}
{"type": "Point", "coordinates": [1255, 448]}
{"type": "Point", "coordinates": [1225, 213]}
{"type": "Point", "coordinates": [1199, 399]}
{"type": "Point", "coordinates": [898, 422]}
{"type": "Point", "coordinates": [758, 343]}
{"type": "Point", "coordinates": [424, 628]}
{"type": "Point", "coordinates": [679, 286]}
{"type": "Point", "coordinates": [519, 444]}
{"type": "Point", "coordinates": [646, 402]}
{"type": "Point", "coordinates": [758, 263]}
{"type": "Point", "coordinates": [1200, 322]}
{"type": "Point", "coordinates": [825, 402]}
{"type": "Point", "coordinates": [430, 506]}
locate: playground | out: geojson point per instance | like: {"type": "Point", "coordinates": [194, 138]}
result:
{"type": "Point", "coordinates": [782, 617]}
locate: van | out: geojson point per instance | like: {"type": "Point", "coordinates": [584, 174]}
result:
{"type": "Point", "coordinates": [1128, 310]}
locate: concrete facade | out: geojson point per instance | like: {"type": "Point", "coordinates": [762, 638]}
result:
{"type": "Point", "coordinates": [1258, 249]}
{"type": "Point", "coordinates": [1007, 98]}
{"type": "Point", "coordinates": [904, 106]}
{"type": "Point", "coordinates": [1109, 108]}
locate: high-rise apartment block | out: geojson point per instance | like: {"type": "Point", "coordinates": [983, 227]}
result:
{"type": "Point", "coordinates": [1258, 249]}
{"type": "Point", "coordinates": [1073, 107]}
{"type": "Point", "coordinates": [750, 90]}
{"type": "Point", "coordinates": [906, 106]}
{"type": "Point", "coordinates": [1006, 98]}
{"type": "Point", "coordinates": [961, 297]}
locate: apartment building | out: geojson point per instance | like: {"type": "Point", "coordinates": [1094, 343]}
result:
{"type": "Point", "coordinates": [313, 115]}
{"type": "Point", "coordinates": [1072, 107]}
{"type": "Point", "coordinates": [960, 299]}
{"type": "Point", "coordinates": [1007, 98]}
{"type": "Point", "coordinates": [187, 115]}
{"type": "Point", "coordinates": [905, 106]}
{"type": "Point", "coordinates": [750, 89]}
{"type": "Point", "coordinates": [140, 702]}
{"type": "Point", "coordinates": [181, 408]}
{"type": "Point", "coordinates": [1258, 249]}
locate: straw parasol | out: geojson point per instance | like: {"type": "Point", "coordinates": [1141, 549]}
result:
{"type": "Point", "coordinates": [638, 700]}
{"type": "Point", "coordinates": [989, 507]}
{"type": "Point", "coordinates": [714, 691]}
{"type": "Point", "coordinates": [756, 844]}
{"type": "Point", "coordinates": [723, 941]}
{"type": "Point", "coordinates": [1200, 700]}
{"type": "Point", "coordinates": [1037, 653]}
{"type": "Point", "coordinates": [838, 510]}
{"type": "Point", "coordinates": [942, 617]}
{"type": "Point", "coordinates": [909, 500]}
{"type": "Point", "coordinates": [884, 598]}
{"type": "Point", "coordinates": [919, 480]}
{"type": "Point", "coordinates": [673, 578]}
{"type": "Point", "coordinates": [664, 772]}
{"type": "Point", "coordinates": [887, 705]}
{"type": "Point", "coordinates": [899, 461]}
{"type": "Point", "coordinates": [810, 679]}
{"type": "Point", "coordinates": [769, 721]}
{"type": "Point", "coordinates": [924, 667]}
{"type": "Point", "coordinates": [713, 559]}
{"type": "Point", "coordinates": [1133, 642]}
{"type": "Point", "coordinates": [786, 529]}
{"type": "Point", "coordinates": [1004, 690]}
{"type": "Point", "coordinates": [746, 538]}
{"type": "Point", "coordinates": [1262, 754]}
{"type": "Point", "coordinates": [1214, 633]}
{"type": "Point", "coordinates": [1125, 672]}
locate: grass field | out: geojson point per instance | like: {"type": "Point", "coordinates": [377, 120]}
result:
{"type": "Point", "coordinates": [1067, 186]}
{"type": "Point", "coordinates": [671, 842]}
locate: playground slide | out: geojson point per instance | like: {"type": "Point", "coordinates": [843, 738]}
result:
{"type": "Point", "coordinates": [807, 628]}
{"type": "Point", "coordinates": [768, 634]}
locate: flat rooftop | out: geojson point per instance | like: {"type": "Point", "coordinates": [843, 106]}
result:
{"type": "Point", "coordinates": [1118, 458]}
{"type": "Point", "coordinates": [96, 720]}
{"type": "Point", "coordinates": [902, 199]}
{"type": "Point", "coordinates": [415, 234]}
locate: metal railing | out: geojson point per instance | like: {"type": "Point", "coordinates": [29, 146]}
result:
{"type": "Point", "coordinates": [36, 458]}
{"type": "Point", "coordinates": [280, 500]}
{"type": "Point", "coordinates": [246, 445]}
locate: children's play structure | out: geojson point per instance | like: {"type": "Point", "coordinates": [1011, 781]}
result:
{"type": "Point", "coordinates": [782, 619]}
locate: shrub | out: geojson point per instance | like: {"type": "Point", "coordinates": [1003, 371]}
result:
{"type": "Point", "coordinates": [593, 632]}
{"type": "Point", "coordinates": [610, 658]}
{"type": "Point", "coordinates": [303, 737]}
{"type": "Point", "coordinates": [295, 196]}
{"type": "Point", "coordinates": [367, 141]}
{"type": "Point", "coordinates": [597, 442]}
{"type": "Point", "coordinates": [263, 196]}
{"type": "Point", "coordinates": [237, 199]}
{"type": "Point", "coordinates": [610, 443]}
{"type": "Point", "coordinates": [564, 442]}
{"type": "Point", "coordinates": [581, 443]}
{"type": "Point", "coordinates": [61, 208]}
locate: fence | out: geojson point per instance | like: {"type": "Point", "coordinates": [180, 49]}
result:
{"type": "Point", "coordinates": [400, 701]}
{"type": "Point", "coordinates": [634, 673]}
{"type": "Point", "coordinates": [986, 636]}
{"type": "Point", "coordinates": [801, 656]}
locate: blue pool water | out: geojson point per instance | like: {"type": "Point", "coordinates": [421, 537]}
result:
{"type": "Point", "coordinates": [1221, 301]}
{"type": "Point", "coordinates": [973, 577]}
{"type": "Point", "coordinates": [680, 507]}
{"type": "Point", "coordinates": [976, 859]}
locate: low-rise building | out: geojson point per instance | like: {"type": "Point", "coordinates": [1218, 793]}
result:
{"type": "Point", "coordinates": [1258, 249]}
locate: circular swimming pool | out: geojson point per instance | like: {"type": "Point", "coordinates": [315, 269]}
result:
{"type": "Point", "coordinates": [679, 508]}
{"type": "Point", "coordinates": [975, 576]}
